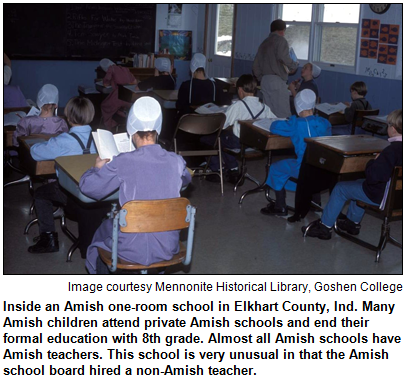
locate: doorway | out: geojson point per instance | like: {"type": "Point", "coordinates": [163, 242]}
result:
{"type": "Point", "coordinates": [220, 25]}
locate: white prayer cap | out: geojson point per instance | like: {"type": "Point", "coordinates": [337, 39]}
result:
{"type": "Point", "coordinates": [316, 70]}
{"type": "Point", "coordinates": [7, 74]}
{"type": "Point", "coordinates": [198, 60]}
{"type": "Point", "coordinates": [304, 100]}
{"type": "Point", "coordinates": [144, 115]}
{"type": "Point", "coordinates": [48, 94]}
{"type": "Point", "coordinates": [162, 64]}
{"type": "Point", "coordinates": [105, 63]}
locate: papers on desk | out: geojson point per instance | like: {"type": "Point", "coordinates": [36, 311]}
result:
{"type": "Point", "coordinates": [101, 88]}
{"type": "Point", "coordinates": [87, 89]}
{"type": "Point", "coordinates": [109, 145]}
{"type": "Point", "coordinates": [13, 118]}
{"type": "Point", "coordinates": [265, 123]}
{"type": "Point", "coordinates": [329, 109]}
{"type": "Point", "coordinates": [132, 87]}
{"type": "Point", "coordinates": [210, 108]}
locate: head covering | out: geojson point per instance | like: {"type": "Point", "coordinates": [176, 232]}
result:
{"type": "Point", "coordinates": [162, 64]}
{"type": "Point", "coordinates": [316, 70]}
{"type": "Point", "coordinates": [7, 74]}
{"type": "Point", "coordinates": [198, 60]}
{"type": "Point", "coordinates": [304, 100]}
{"type": "Point", "coordinates": [144, 115]}
{"type": "Point", "coordinates": [48, 94]}
{"type": "Point", "coordinates": [105, 63]}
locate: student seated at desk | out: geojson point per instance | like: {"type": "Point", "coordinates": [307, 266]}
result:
{"type": "Point", "coordinates": [79, 112]}
{"type": "Point", "coordinates": [46, 122]}
{"type": "Point", "coordinates": [147, 173]}
{"type": "Point", "coordinates": [114, 76]}
{"type": "Point", "coordinates": [163, 79]}
{"type": "Point", "coordinates": [309, 72]}
{"type": "Point", "coordinates": [358, 92]}
{"type": "Point", "coordinates": [370, 190]}
{"type": "Point", "coordinates": [199, 89]}
{"type": "Point", "coordinates": [13, 97]}
{"type": "Point", "coordinates": [297, 128]}
{"type": "Point", "coordinates": [248, 107]}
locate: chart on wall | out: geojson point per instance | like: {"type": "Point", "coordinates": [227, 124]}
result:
{"type": "Point", "coordinates": [379, 41]}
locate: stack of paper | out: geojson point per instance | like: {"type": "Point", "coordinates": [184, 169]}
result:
{"type": "Point", "coordinates": [329, 109]}
{"type": "Point", "coordinates": [210, 108]}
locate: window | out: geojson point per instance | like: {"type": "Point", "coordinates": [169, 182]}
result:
{"type": "Point", "coordinates": [298, 20]}
{"type": "Point", "coordinates": [225, 17]}
{"type": "Point", "coordinates": [325, 33]}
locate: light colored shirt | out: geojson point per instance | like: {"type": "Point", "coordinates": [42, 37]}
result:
{"type": "Point", "coordinates": [238, 111]}
{"type": "Point", "coordinates": [62, 145]}
{"type": "Point", "coordinates": [271, 57]}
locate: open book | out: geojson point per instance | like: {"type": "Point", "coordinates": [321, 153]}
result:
{"type": "Point", "coordinates": [210, 108]}
{"type": "Point", "coordinates": [109, 145]}
{"type": "Point", "coordinates": [329, 109]}
{"type": "Point", "coordinates": [13, 118]}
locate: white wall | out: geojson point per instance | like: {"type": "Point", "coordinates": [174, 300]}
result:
{"type": "Point", "coordinates": [370, 67]}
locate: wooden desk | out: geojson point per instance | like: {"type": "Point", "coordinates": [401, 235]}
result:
{"type": "Point", "coordinates": [70, 170]}
{"type": "Point", "coordinates": [343, 154]}
{"type": "Point", "coordinates": [9, 129]}
{"type": "Point", "coordinates": [336, 118]}
{"type": "Point", "coordinates": [167, 95]}
{"type": "Point", "coordinates": [127, 93]}
{"type": "Point", "coordinates": [375, 124]}
{"type": "Point", "coordinates": [228, 84]}
{"type": "Point", "coordinates": [34, 168]}
{"type": "Point", "coordinates": [258, 138]}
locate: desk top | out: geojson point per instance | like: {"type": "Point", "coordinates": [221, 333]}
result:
{"type": "Point", "coordinates": [350, 145]}
{"type": "Point", "coordinates": [169, 95]}
{"type": "Point", "coordinates": [76, 166]}
{"type": "Point", "coordinates": [260, 138]}
{"type": "Point", "coordinates": [33, 167]}
{"type": "Point", "coordinates": [230, 81]}
{"type": "Point", "coordinates": [378, 119]}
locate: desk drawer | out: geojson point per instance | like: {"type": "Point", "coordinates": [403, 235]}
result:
{"type": "Point", "coordinates": [336, 162]}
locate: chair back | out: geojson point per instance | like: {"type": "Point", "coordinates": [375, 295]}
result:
{"type": "Point", "coordinates": [394, 202]}
{"type": "Point", "coordinates": [199, 124]}
{"type": "Point", "coordinates": [154, 216]}
{"type": "Point", "coordinates": [358, 119]}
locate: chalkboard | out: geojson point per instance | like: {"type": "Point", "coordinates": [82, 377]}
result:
{"type": "Point", "coordinates": [78, 31]}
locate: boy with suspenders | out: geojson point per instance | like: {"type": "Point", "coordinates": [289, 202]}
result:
{"type": "Point", "coordinates": [79, 112]}
{"type": "Point", "coordinates": [248, 107]}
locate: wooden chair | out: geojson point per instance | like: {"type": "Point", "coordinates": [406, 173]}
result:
{"type": "Point", "coordinates": [199, 124]}
{"type": "Point", "coordinates": [358, 119]}
{"type": "Point", "coordinates": [391, 212]}
{"type": "Point", "coordinates": [152, 216]}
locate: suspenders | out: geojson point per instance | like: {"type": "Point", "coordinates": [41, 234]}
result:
{"type": "Point", "coordinates": [251, 113]}
{"type": "Point", "coordinates": [85, 150]}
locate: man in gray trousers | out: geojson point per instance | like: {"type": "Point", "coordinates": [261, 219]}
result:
{"type": "Point", "coordinates": [271, 67]}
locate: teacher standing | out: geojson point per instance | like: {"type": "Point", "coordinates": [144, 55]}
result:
{"type": "Point", "coordinates": [271, 67]}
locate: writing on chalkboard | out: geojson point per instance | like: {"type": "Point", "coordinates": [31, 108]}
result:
{"type": "Point", "coordinates": [90, 31]}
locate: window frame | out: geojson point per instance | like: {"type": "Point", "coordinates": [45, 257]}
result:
{"type": "Point", "coordinates": [217, 32]}
{"type": "Point", "coordinates": [316, 24]}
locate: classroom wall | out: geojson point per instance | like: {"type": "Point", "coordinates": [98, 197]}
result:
{"type": "Point", "coordinates": [30, 75]}
{"type": "Point", "coordinates": [384, 93]}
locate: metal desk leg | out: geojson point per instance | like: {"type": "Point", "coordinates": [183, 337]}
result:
{"type": "Point", "coordinates": [72, 249]}
{"type": "Point", "coordinates": [26, 178]}
{"type": "Point", "coordinates": [263, 186]}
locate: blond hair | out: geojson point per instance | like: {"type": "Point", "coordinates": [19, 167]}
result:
{"type": "Point", "coordinates": [395, 118]}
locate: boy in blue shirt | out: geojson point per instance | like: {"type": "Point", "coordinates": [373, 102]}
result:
{"type": "Point", "coordinates": [369, 190]}
{"type": "Point", "coordinates": [79, 112]}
